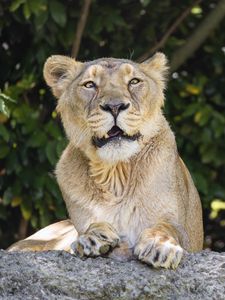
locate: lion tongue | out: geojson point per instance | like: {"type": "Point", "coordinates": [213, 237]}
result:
{"type": "Point", "coordinates": [115, 131]}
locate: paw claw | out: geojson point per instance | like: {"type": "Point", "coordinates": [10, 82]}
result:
{"type": "Point", "coordinates": [97, 240]}
{"type": "Point", "coordinates": [158, 253]}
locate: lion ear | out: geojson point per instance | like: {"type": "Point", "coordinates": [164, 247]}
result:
{"type": "Point", "coordinates": [157, 67]}
{"type": "Point", "coordinates": [58, 72]}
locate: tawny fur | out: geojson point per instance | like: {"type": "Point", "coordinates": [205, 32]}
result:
{"type": "Point", "coordinates": [142, 187]}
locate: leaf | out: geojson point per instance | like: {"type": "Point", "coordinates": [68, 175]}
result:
{"type": "Point", "coordinates": [51, 153]}
{"type": "Point", "coordinates": [3, 118]}
{"type": "Point", "coordinates": [201, 182]}
{"type": "Point", "coordinates": [26, 210]}
{"type": "Point", "coordinates": [145, 3]}
{"type": "Point", "coordinates": [41, 19]}
{"type": "Point", "coordinates": [216, 206]}
{"type": "Point", "coordinates": [4, 133]}
{"type": "Point", "coordinates": [58, 12]}
{"type": "Point", "coordinates": [218, 128]}
{"type": "Point", "coordinates": [196, 10]}
{"type": "Point", "coordinates": [34, 221]}
{"type": "Point", "coordinates": [3, 213]}
{"type": "Point", "coordinates": [45, 219]}
{"type": "Point", "coordinates": [193, 90]}
{"type": "Point", "coordinates": [191, 109]}
{"type": "Point", "coordinates": [26, 11]}
{"type": "Point", "coordinates": [203, 116]}
{"type": "Point", "coordinates": [4, 150]}
{"type": "Point", "coordinates": [16, 4]}
{"type": "Point", "coordinates": [7, 196]}
{"type": "Point", "coordinates": [37, 7]}
{"type": "Point", "coordinates": [61, 146]}
{"type": "Point", "coordinates": [53, 129]}
{"type": "Point", "coordinates": [7, 98]}
{"type": "Point", "coordinates": [16, 201]}
{"type": "Point", "coordinates": [3, 108]}
{"type": "Point", "coordinates": [37, 139]}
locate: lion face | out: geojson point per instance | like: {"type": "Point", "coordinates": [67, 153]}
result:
{"type": "Point", "coordinates": [109, 107]}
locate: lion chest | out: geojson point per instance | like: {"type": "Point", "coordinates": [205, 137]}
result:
{"type": "Point", "coordinates": [128, 218]}
{"type": "Point", "coordinates": [130, 203]}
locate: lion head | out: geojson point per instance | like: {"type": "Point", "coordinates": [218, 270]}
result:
{"type": "Point", "coordinates": [109, 107]}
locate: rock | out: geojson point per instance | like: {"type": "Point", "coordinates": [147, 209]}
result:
{"type": "Point", "coordinates": [60, 275]}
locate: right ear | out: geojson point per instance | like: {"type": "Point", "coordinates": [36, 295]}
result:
{"type": "Point", "coordinates": [58, 71]}
{"type": "Point", "coordinates": [159, 65]}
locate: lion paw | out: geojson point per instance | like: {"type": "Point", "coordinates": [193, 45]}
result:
{"type": "Point", "coordinates": [159, 251]}
{"type": "Point", "coordinates": [98, 240]}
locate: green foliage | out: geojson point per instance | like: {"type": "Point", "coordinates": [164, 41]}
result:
{"type": "Point", "coordinates": [31, 137]}
{"type": "Point", "coordinates": [3, 105]}
{"type": "Point", "coordinates": [197, 114]}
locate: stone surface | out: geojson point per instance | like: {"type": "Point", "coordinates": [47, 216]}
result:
{"type": "Point", "coordinates": [59, 275]}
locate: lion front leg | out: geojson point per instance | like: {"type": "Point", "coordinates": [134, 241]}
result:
{"type": "Point", "coordinates": [159, 246]}
{"type": "Point", "coordinates": [98, 240]}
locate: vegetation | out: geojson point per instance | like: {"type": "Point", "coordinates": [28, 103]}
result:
{"type": "Point", "coordinates": [192, 35]}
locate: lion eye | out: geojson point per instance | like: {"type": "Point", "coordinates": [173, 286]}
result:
{"type": "Point", "coordinates": [134, 81]}
{"type": "Point", "coordinates": [90, 85]}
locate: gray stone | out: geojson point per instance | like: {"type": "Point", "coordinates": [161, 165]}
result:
{"type": "Point", "coordinates": [59, 275]}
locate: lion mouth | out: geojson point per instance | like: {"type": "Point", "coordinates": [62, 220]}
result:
{"type": "Point", "coordinates": [114, 134]}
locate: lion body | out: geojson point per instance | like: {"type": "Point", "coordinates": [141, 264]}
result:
{"type": "Point", "coordinates": [135, 195]}
{"type": "Point", "coordinates": [136, 182]}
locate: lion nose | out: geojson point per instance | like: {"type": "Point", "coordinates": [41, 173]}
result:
{"type": "Point", "coordinates": [115, 109]}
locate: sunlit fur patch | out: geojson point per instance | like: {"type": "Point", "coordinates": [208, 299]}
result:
{"type": "Point", "coordinates": [120, 150]}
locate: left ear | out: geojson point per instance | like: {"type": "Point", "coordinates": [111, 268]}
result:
{"type": "Point", "coordinates": [58, 72]}
{"type": "Point", "coordinates": [157, 68]}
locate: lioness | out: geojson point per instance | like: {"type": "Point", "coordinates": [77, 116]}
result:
{"type": "Point", "coordinates": [122, 179]}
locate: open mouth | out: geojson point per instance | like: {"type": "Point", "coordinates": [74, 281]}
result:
{"type": "Point", "coordinates": [115, 133]}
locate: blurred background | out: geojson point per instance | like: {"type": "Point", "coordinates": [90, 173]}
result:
{"type": "Point", "coordinates": [192, 35]}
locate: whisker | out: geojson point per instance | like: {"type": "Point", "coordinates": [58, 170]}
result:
{"type": "Point", "coordinates": [94, 114]}
{"type": "Point", "coordinates": [97, 120]}
{"type": "Point", "coordinates": [84, 131]}
{"type": "Point", "coordinates": [131, 119]}
{"type": "Point", "coordinates": [134, 114]}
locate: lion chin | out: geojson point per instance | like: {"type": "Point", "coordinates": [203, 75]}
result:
{"type": "Point", "coordinates": [118, 150]}
{"type": "Point", "coordinates": [117, 146]}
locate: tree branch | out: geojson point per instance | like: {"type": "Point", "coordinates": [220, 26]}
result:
{"type": "Point", "coordinates": [80, 27]}
{"type": "Point", "coordinates": [199, 36]}
{"type": "Point", "coordinates": [168, 33]}
{"type": "Point", "coordinates": [23, 227]}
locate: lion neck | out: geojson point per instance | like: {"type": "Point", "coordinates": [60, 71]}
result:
{"type": "Point", "coordinates": [118, 178]}
{"type": "Point", "coordinates": [111, 177]}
